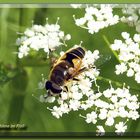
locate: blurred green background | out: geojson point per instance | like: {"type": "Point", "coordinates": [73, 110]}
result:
{"type": "Point", "coordinates": [17, 105]}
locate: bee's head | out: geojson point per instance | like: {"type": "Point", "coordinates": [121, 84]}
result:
{"type": "Point", "coordinates": [53, 87]}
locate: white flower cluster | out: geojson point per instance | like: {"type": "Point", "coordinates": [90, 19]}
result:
{"type": "Point", "coordinates": [129, 55]}
{"type": "Point", "coordinates": [106, 106]}
{"type": "Point", "coordinates": [131, 15]}
{"type": "Point", "coordinates": [47, 38]}
{"type": "Point", "coordinates": [117, 103]}
{"type": "Point", "coordinates": [97, 18]}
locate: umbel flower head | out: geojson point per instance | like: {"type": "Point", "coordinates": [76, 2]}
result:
{"type": "Point", "coordinates": [128, 51]}
{"type": "Point", "coordinates": [106, 106]}
{"type": "Point", "coordinates": [97, 18]}
{"type": "Point", "coordinates": [38, 37]}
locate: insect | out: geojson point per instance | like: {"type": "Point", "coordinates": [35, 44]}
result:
{"type": "Point", "coordinates": [67, 67]}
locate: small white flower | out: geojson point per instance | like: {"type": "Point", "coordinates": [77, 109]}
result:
{"type": "Point", "coordinates": [64, 108]}
{"type": "Point", "coordinates": [89, 103]}
{"type": "Point", "coordinates": [64, 96]}
{"type": "Point", "coordinates": [120, 127]}
{"type": "Point", "coordinates": [122, 112]}
{"type": "Point", "coordinates": [136, 38]}
{"type": "Point", "coordinates": [23, 51]}
{"type": "Point", "coordinates": [108, 93]}
{"type": "Point", "coordinates": [123, 102]}
{"type": "Point", "coordinates": [130, 72]}
{"type": "Point", "coordinates": [68, 37]}
{"type": "Point", "coordinates": [84, 106]}
{"type": "Point", "coordinates": [91, 117]}
{"type": "Point", "coordinates": [50, 99]}
{"type": "Point", "coordinates": [100, 130]}
{"type": "Point", "coordinates": [114, 98]}
{"type": "Point", "coordinates": [128, 41]}
{"type": "Point", "coordinates": [125, 35]}
{"type": "Point", "coordinates": [109, 121]}
{"type": "Point", "coordinates": [137, 77]}
{"type": "Point", "coordinates": [121, 68]}
{"type": "Point", "coordinates": [103, 114]}
{"type": "Point", "coordinates": [56, 112]}
{"type": "Point", "coordinates": [29, 33]}
{"type": "Point", "coordinates": [134, 98]}
{"type": "Point", "coordinates": [101, 104]}
{"type": "Point", "coordinates": [113, 113]}
{"type": "Point", "coordinates": [121, 92]}
{"type": "Point", "coordinates": [133, 115]}
{"type": "Point", "coordinates": [74, 104]}
{"type": "Point", "coordinates": [133, 105]}
{"type": "Point", "coordinates": [80, 21]}
{"type": "Point", "coordinates": [61, 34]}
{"type": "Point", "coordinates": [115, 47]}
{"type": "Point", "coordinates": [77, 96]}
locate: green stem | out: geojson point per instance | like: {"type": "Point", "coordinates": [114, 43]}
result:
{"type": "Point", "coordinates": [108, 44]}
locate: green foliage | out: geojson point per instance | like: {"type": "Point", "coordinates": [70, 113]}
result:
{"type": "Point", "coordinates": [24, 75]}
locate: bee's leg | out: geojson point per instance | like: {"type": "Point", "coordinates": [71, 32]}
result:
{"type": "Point", "coordinates": [82, 70]}
{"type": "Point", "coordinates": [66, 88]}
{"type": "Point", "coordinates": [75, 79]}
{"type": "Point", "coordinates": [76, 74]}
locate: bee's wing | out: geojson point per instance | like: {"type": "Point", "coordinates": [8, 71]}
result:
{"type": "Point", "coordinates": [102, 60]}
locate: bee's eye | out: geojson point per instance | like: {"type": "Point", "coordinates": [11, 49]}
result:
{"type": "Point", "coordinates": [48, 85]}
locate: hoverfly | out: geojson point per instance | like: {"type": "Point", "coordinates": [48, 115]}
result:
{"type": "Point", "coordinates": [67, 67]}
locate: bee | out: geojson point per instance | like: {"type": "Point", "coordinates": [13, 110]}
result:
{"type": "Point", "coordinates": [67, 67]}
